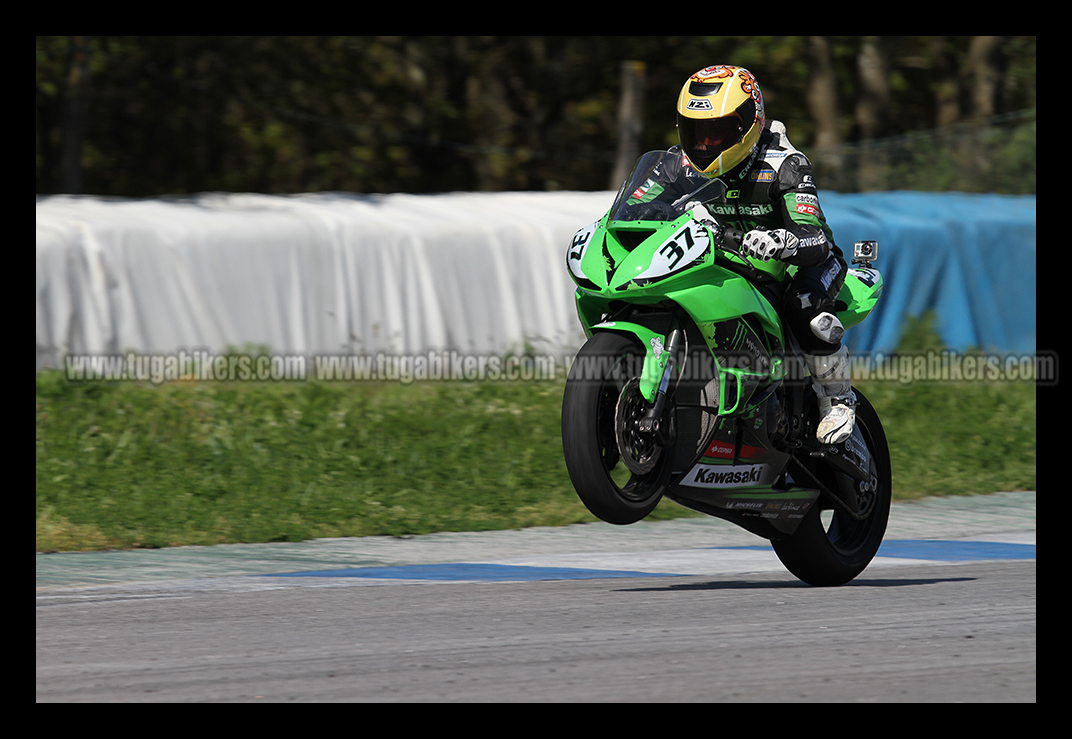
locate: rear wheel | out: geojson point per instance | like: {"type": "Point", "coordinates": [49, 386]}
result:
{"type": "Point", "coordinates": [601, 406]}
{"type": "Point", "coordinates": [832, 547]}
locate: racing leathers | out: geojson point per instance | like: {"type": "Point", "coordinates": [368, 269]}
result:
{"type": "Point", "coordinates": [772, 197]}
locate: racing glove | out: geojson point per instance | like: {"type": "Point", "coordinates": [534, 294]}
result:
{"type": "Point", "coordinates": [762, 243]}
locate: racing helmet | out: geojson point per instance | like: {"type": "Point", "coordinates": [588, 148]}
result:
{"type": "Point", "coordinates": [719, 118]}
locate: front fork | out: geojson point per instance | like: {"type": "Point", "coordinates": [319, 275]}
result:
{"type": "Point", "coordinates": [660, 362]}
{"type": "Point", "coordinates": [652, 421]}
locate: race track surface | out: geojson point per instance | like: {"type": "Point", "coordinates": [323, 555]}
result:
{"type": "Point", "coordinates": [689, 610]}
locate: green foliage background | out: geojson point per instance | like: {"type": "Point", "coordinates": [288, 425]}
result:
{"type": "Point", "coordinates": [159, 115]}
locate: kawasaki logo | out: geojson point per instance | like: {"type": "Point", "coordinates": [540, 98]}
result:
{"type": "Point", "coordinates": [720, 477]}
{"type": "Point", "coordinates": [756, 210]}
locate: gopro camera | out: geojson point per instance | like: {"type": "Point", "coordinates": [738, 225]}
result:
{"type": "Point", "coordinates": [864, 252]}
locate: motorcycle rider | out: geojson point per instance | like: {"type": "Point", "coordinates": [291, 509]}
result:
{"type": "Point", "coordinates": [771, 196]}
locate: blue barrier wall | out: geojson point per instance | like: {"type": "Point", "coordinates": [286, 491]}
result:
{"type": "Point", "coordinates": [970, 258]}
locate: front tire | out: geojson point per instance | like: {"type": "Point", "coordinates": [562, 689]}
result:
{"type": "Point", "coordinates": [833, 553]}
{"type": "Point", "coordinates": [604, 368]}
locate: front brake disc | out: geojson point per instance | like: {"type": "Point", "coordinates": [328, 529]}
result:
{"type": "Point", "coordinates": [639, 451]}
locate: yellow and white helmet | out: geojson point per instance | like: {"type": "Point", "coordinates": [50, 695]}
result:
{"type": "Point", "coordinates": [719, 118]}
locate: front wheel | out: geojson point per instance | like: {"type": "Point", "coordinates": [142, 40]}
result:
{"type": "Point", "coordinates": [599, 409]}
{"type": "Point", "coordinates": [830, 547]}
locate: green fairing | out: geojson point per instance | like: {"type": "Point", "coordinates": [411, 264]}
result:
{"type": "Point", "coordinates": [863, 288]}
{"type": "Point", "coordinates": [707, 290]}
{"type": "Point", "coordinates": [654, 359]}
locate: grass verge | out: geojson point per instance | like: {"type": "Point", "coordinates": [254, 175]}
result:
{"type": "Point", "coordinates": [125, 465]}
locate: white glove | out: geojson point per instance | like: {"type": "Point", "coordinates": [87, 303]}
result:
{"type": "Point", "coordinates": [764, 244]}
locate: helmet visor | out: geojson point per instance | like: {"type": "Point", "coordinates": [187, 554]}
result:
{"type": "Point", "coordinates": [704, 140]}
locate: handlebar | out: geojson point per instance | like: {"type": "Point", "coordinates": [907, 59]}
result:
{"type": "Point", "coordinates": [726, 238]}
{"type": "Point", "coordinates": [732, 239]}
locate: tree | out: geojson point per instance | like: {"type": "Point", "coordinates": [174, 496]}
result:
{"type": "Point", "coordinates": [873, 105]}
{"type": "Point", "coordinates": [148, 116]}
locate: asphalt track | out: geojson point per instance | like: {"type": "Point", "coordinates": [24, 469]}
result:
{"type": "Point", "coordinates": [694, 610]}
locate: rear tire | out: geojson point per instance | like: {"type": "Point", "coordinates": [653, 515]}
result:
{"type": "Point", "coordinates": [602, 369]}
{"type": "Point", "coordinates": [826, 554]}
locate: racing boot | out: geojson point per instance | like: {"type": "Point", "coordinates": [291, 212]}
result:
{"type": "Point", "coordinates": [837, 402]}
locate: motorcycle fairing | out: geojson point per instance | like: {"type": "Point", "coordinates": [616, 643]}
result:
{"type": "Point", "coordinates": [655, 354]}
{"type": "Point", "coordinates": [647, 278]}
{"type": "Point", "coordinates": [859, 295]}
{"type": "Point", "coordinates": [740, 475]}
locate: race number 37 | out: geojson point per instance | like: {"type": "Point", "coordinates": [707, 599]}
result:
{"type": "Point", "coordinates": [578, 246]}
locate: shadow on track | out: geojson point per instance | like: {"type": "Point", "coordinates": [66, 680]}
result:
{"type": "Point", "coordinates": [794, 584]}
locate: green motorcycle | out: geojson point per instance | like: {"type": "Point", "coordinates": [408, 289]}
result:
{"type": "Point", "coordinates": [690, 386]}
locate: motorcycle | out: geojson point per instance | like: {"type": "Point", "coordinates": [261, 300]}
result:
{"type": "Point", "coordinates": [691, 387]}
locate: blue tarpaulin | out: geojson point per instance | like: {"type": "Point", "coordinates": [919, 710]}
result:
{"type": "Point", "coordinates": [969, 258]}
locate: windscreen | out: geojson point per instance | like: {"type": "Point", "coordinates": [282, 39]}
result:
{"type": "Point", "coordinates": [659, 188]}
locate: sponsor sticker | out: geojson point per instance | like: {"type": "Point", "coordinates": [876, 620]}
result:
{"type": "Point", "coordinates": [724, 450]}
{"type": "Point", "coordinates": [709, 476]}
